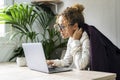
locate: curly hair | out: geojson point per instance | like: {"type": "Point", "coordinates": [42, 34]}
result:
{"type": "Point", "coordinates": [74, 14]}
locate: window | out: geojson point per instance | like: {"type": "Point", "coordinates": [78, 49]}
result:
{"type": "Point", "coordinates": [2, 26]}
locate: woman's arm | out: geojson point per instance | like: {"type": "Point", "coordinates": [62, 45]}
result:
{"type": "Point", "coordinates": [80, 51]}
{"type": "Point", "coordinates": [66, 61]}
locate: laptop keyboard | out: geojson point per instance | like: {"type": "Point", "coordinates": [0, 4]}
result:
{"type": "Point", "coordinates": [58, 69]}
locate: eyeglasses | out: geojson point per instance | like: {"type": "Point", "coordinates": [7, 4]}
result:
{"type": "Point", "coordinates": [59, 27]}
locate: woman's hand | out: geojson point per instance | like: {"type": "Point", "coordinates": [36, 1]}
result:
{"type": "Point", "coordinates": [78, 34]}
{"type": "Point", "coordinates": [50, 62]}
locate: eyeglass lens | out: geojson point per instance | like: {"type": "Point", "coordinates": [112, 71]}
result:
{"type": "Point", "coordinates": [59, 27]}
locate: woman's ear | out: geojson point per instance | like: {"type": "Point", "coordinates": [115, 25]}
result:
{"type": "Point", "coordinates": [75, 26]}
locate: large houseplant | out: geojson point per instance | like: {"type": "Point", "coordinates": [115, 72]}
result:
{"type": "Point", "coordinates": [22, 17]}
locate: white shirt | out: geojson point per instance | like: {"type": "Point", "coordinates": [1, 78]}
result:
{"type": "Point", "coordinates": [77, 53]}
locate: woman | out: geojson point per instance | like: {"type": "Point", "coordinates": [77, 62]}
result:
{"type": "Point", "coordinates": [86, 45]}
{"type": "Point", "coordinates": [70, 24]}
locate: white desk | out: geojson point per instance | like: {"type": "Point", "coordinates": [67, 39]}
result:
{"type": "Point", "coordinates": [10, 71]}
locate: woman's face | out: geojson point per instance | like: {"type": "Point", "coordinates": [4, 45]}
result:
{"type": "Point", "coordinates": [65, 29]}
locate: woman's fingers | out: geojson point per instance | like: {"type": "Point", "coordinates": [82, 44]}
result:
{"type": "Point", "coordinates": [77, 34]}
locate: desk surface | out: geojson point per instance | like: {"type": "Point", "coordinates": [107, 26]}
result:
{"type": "Point", "coordinates": [10, 71]}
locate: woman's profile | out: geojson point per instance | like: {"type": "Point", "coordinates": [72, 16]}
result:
{"type": "Point", "coordinates": [87, 47]}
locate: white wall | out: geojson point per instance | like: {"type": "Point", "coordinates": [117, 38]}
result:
{"type": "Point", "coordinates": [118, 21]}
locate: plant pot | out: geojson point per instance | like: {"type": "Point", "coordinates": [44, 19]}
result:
{"type": "Point", "coordinates": [21, 61]}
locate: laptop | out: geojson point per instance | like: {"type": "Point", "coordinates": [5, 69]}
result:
{"type": "Point", "coordinates": [35, 58]}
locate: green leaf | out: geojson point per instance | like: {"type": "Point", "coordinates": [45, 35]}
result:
{"type": "Point", "coordinates": [4, 17]}
{"type": "Point", "coordinates": [13, 35]}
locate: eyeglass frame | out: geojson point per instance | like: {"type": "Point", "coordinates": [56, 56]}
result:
{"type": "Point", "coordinates": [61, 27]}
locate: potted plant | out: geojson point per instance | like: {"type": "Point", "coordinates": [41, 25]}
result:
{"type": "Point", "coordinates": [21, 17]}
